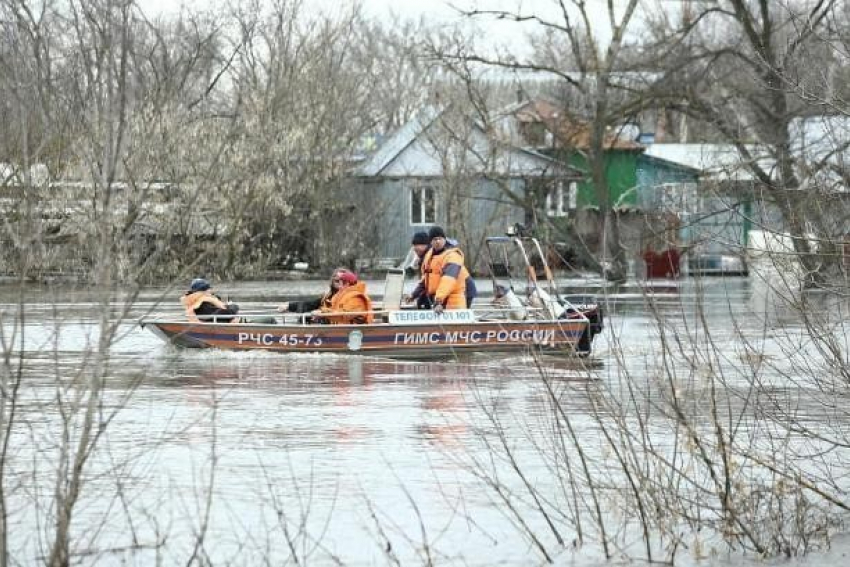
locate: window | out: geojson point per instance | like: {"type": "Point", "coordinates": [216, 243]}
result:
{"type": "Point", "coordinates": [423, 205]}
{"type": "Point", "coordinates": [560, 200]}
{"type": "Point", "coordinates": [678, 197]}
{"type": "Point", "coordinates": [534, 134]}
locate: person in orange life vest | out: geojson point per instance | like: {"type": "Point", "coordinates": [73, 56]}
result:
{"type": "Point", "coordinates": [421, 244]}
{"type": "Point", "coordinates": [202, 304]}
{"type": "Point", "coordinates": [351, 298]}
{"type": "Point", "coordinates": [321, 302]}
{"type": "Point", "coordinates": [443, 273]}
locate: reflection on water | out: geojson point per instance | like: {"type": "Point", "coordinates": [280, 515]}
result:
{"type": "Point", "coordinates": [333, 459]}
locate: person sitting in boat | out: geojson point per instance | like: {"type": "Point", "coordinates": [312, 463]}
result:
{"type": "Point", "coordinates": [421, 244]}
{"type": "Point", "coordinates": [202, 304]}
{"type": "Point", "coordinates": [444, 274]}
{"type": "Point", "coordinates": [319, 303]}
{"type": "Point", "coordinates": [350, 305]}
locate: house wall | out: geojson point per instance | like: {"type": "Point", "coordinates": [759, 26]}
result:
{"type": "Point", "coordinates": [652, 173]}
{"type": "Point", "coordinates": [636, 228]}
{"type": "Point", "coordinates": [714, 219]}
{"type": "Point", "coordinates": [620, 172]}
{"type": "Point", "coordinates": [476, 209]}
{"type": "Point", "coordinates": [489, 213]}
{"type": "Point", "coordinates": [386, 205]}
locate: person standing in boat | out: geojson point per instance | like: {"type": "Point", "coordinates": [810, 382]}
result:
{"type": "Point", "coordinates": [471, 290]}
{"type": "Point", "coordinates": [350, 305]}
{"type": "Point", "coordinates": [201, 304]}
{"type": "Point", "coordinates": [421, 244]}
{"type": "Point", "coordinates": [444, 274]}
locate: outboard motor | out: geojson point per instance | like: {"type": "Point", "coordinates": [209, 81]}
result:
{"type": "Point", "coordinates": [587, 306]}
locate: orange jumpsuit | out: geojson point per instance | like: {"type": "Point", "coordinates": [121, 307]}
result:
{"type": "Point", "coordinates": [444, 277]}
{"type": "Point", "coordinates": [350, 299]}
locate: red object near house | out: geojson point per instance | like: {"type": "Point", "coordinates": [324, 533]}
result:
{"type": "Point", "coordinates": [664, 264]}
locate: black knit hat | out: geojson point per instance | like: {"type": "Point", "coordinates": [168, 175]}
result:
{"type": "Point", "coordinates": [420, 238]}
{"type": "Point", "coordinates": [435, 232]}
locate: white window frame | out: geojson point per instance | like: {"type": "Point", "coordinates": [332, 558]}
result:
{"type": "Point", "coordinates": [560, 200]}
{"type": "Point", "coordinates": [423, 209]}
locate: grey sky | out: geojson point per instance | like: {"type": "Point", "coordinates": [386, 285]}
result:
{"type": "Point", "coordinates": [443, 13]}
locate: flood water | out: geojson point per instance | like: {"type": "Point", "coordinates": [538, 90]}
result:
{"type": "Point", "coordinates": [259, 458]}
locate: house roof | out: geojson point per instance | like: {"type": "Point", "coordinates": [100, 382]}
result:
{"type": "Point", "coordinates": [568, 130]}
{"type": "Point", "coordinates": [397, 142]}
{"type": "Point", "coordinates": [721, 162]}
{"type": "Point", "coordinates": [645, 157]}
{"type": "Point", "coordinates": [417, 149]}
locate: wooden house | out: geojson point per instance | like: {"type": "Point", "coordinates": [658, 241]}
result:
{"type": "Point", "coordinates": [444, 168]}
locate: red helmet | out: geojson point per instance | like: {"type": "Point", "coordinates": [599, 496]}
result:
{"type": "Point", "coordinates": [348, 277]}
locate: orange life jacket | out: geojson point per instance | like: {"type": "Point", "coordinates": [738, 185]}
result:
{"type": "Point", "coordinates": [327, 300]}
{"type": "Point", "coordinates": [192, 301]}
{"type": "Point", "coordinates": [446, 288]}
{"type": "Point", "coordinates": [349, 299]}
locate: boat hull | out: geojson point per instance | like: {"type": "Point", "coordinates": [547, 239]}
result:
{"type": "Point", "coordinates": [376, 339]}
